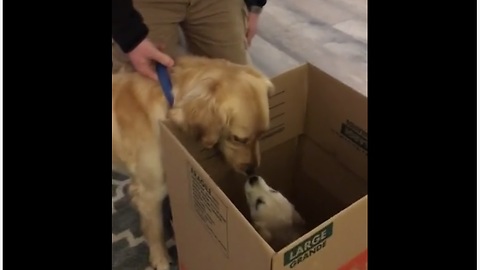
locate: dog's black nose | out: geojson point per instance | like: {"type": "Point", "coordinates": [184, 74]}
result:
{"type": "Point", "coordinates": [252, 180]}
{"type": "Point", "coordinates": [250, 170]}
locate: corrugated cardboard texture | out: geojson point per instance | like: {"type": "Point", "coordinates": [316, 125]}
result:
{"type": "Point", "coordinates": [337, 120]}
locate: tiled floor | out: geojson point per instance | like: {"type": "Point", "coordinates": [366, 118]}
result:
{"type": "Point", "coordinates": [331, 34]}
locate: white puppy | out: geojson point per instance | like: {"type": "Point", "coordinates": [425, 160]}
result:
{"type": "Point", "coordinates": [273, 216]}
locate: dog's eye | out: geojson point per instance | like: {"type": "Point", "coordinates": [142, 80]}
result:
{"type": "Point", "coordinates": [239, 140]}
{"type": "Point", "coordinates": [273, 191]}
{"type": "Point", "coordinates": [258, 203]}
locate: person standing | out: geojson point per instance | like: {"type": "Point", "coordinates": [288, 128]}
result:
{"type": "Point", "coordinates": [212, 28]}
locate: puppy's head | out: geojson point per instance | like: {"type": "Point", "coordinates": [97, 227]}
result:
{"type": "Point", "coordinates": [273, 216]}
{"type": "Point", "coordinates": [228, 107]}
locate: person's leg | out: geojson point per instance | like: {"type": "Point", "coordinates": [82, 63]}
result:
{"type": "Point", "coordinates": [162, 18]}
{"type": "Point", "coordinates": [217, 29]}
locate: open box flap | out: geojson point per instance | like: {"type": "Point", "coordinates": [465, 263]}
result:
{"type": "Point", "coordinates": [287, 107]}
{"type": "Point", "coordinates": [336, 119]}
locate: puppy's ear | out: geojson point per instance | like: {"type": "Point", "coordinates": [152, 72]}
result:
{"type": "Point", "coordinates": [264, 233]}
{"type": "Point", "coordinates": [297, 219]}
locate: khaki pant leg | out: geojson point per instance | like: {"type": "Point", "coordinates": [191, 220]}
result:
{"type": "Point", "coordinates": [162, 18]}
{"type": "Point", "coordinates": [217, 29]}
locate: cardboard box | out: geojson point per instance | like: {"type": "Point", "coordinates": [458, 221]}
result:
{"type": "Point", "coordinates": [315, 153]}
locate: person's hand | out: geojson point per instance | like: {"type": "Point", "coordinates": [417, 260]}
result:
{"type": "Point", "coordinates": [252, 26]}
{"type": "Point", "coordinates": [144, 56]}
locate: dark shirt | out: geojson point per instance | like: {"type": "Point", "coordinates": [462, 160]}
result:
{"type": "Point", "coordinates": [128, 28]}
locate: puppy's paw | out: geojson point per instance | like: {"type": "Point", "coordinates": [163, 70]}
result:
{"type": "Point", "coordinates": [297, 219]}
{"type": "Point", "coordinates": [159, 263]}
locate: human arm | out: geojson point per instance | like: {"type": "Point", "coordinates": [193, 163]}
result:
{"type": "Point", "coordinates": [128, 29]}
{"type": "Point", "coordinates": [254, 9]}
{"type": "Point", "coordinates": [130, 33]}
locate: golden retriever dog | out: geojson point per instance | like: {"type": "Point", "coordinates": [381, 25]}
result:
{"type": "Point", "coordinates": [272, 215]}
{"type": "Point", "coordinates": [223, 104]}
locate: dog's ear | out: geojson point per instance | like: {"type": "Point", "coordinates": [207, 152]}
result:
{"type": "Point", "coordinates": [198, 111]}
{"type": "Point", "coordinates": [269, 87]}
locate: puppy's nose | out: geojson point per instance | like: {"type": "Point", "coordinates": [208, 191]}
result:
{"type": "Point", "coordinates": [253, 180]}
{"type": "Point", "coordinates": [250, 169]}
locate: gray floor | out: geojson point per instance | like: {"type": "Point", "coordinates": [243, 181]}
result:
{"type": "Point", "coordinates": [331, 34]}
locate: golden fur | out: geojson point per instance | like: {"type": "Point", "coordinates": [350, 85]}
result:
{"type": "Point", "coordinates": [273, 216]}
{"type": "Point", "coordinates": [221, 103]}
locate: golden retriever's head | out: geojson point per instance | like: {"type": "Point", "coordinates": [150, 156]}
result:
{"type": "Point", "coordinates": [227, 107]}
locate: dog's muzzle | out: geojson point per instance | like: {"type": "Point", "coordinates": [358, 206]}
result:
{"type": "Point", "coordinates": [252, 180]}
